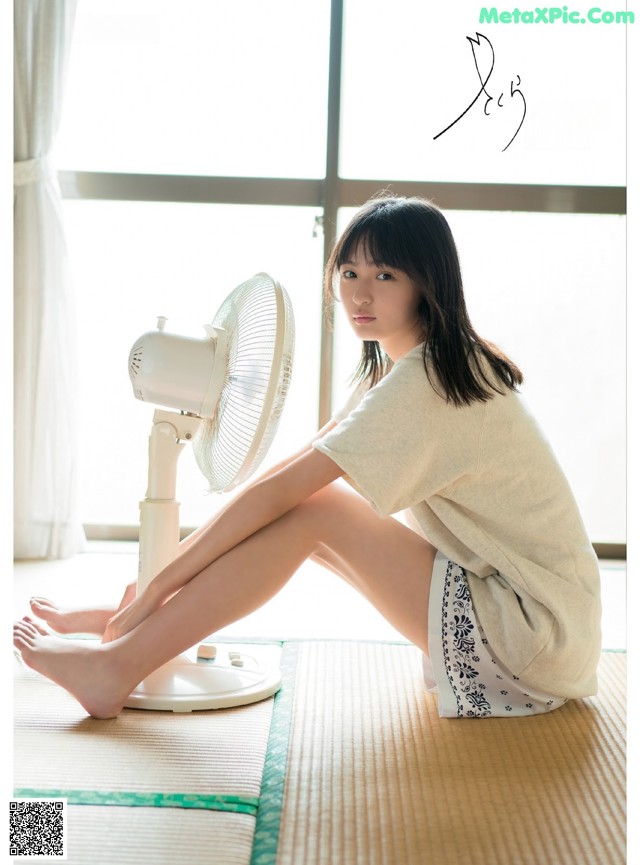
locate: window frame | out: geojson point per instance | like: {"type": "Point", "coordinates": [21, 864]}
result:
{"type": "Point", "coordinates": [330, 194]}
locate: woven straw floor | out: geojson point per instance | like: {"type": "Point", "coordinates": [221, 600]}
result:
{"type": "Point", "coordinates": [375, 776]}
{"type": "Point", "coordinates": [350, 764]}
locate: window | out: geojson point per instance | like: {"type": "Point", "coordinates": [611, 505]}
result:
{"type": "Point", "coordinates": [198, 146]}
{"type": "Point", "coordinates": [201, 87]}
{"type": "Point", "coordinates": [409, 72]}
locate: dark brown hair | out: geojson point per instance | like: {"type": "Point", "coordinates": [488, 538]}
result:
{"type": "Point", "coordinates": [412, 235]}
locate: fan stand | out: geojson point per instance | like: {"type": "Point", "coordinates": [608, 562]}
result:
{"type": "Point", "coordinates": [188, 683]}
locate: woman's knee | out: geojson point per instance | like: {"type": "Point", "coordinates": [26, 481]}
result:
{"type": "Point", "coordinates": [318, 516]}
{"type": "Point", "coordinates": [325, 502]}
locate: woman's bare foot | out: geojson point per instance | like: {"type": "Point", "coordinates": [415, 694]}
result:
{"type": "Point", "coordinates": [71, 621]}
{"type": "Point", "coordinates": [84, 669]}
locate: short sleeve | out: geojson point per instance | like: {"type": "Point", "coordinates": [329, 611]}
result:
{"type": "Point", "coordinates": [353, 400]}
{"type": "Point", "coordinates": [403, 443]}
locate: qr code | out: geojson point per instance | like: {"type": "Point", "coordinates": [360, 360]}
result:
{"type": "Point", "coordinates": [37, 828]}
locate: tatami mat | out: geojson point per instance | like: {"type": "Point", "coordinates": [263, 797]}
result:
{"type": "Point", "coordinates": [375, 776]}
{"type": "Point", "coordinates": [146, 787]}
{"type": "Point", "coordinates": [351, 765]}
{"type": "Point", "coordinates": [58, 746]}
{"type": "Point", "coordinates": [157, 836]}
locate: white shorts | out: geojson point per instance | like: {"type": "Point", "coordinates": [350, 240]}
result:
{"type": "Point", "coordinates": [461, 668]}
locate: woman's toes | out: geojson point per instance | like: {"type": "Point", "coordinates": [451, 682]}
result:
{"type": "Point", "coordinates": [40, 602]}
{"type": "Point", "coordinates": [23, 634]}
{"type": "Point", "coordinates": [38, 627]}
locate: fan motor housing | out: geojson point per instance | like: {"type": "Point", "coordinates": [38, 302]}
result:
{"type": "Point", "coordinates": [174, 371]}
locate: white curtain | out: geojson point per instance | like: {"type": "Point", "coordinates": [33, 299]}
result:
{"type": "Point", "coordinates": [46, 523]}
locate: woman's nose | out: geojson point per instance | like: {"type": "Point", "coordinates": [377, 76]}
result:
{"type": "Point", "coordinates": [361, 293]}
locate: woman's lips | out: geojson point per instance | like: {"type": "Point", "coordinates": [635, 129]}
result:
{"type": "Point", "coordinates": [363, 319]}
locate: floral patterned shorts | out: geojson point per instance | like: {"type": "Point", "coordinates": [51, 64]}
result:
{"type": "Point", "coordinates": [461, 668]}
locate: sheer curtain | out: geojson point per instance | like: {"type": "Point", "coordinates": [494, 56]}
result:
{"type": "Point", "coordinates": [46, 523]}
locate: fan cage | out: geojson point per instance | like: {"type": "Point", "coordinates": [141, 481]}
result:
{"type": "Point", "coordinates": [258, 318]}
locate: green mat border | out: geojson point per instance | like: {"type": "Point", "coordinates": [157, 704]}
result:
{"type": "Point", "coordinates": [268, 821]}
{"type": "Point", "coordinates": [128, 799]}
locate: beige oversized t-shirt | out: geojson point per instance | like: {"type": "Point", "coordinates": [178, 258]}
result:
{"type": "Point", "coordinates": [486, 489]}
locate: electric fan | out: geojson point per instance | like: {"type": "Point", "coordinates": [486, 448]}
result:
{"type": "Point", "coordinates": [228, 388]}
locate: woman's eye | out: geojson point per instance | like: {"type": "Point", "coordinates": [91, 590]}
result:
{"type": "Point", "coordinates": [385, 276]}
{"type": "Point", "coordinates": [348, 274]}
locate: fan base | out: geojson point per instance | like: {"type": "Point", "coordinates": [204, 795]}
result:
{"type": "Point", "coordinates": [188, 683]}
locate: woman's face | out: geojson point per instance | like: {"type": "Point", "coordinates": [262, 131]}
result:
{"type": "Point", "coordinates": [381, 304]}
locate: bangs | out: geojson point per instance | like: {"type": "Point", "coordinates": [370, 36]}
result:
{"type": "Point", "coordinates": [378, 240]}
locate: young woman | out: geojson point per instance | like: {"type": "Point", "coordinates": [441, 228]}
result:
{"type": "Point", "coordinates": [496, 582]}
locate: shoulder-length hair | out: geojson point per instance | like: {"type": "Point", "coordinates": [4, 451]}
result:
{"type": "Point", "coordinates": [412, 235]}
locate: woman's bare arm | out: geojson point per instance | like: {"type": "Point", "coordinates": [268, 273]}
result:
{"type": "Point", "coordinates": [194, 535]}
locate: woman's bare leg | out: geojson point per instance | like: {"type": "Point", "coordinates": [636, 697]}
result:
{"type": "Point", "coordinates": [90, 620]}
{"type": "Point", "coordinates": [383, 559]}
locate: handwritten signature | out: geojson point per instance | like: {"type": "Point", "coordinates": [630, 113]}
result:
{"type": "Point", "coordinates": [514, 89]}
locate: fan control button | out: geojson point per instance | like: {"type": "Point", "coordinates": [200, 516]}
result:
{"type": "Point", "coordinates": [207, 651]}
